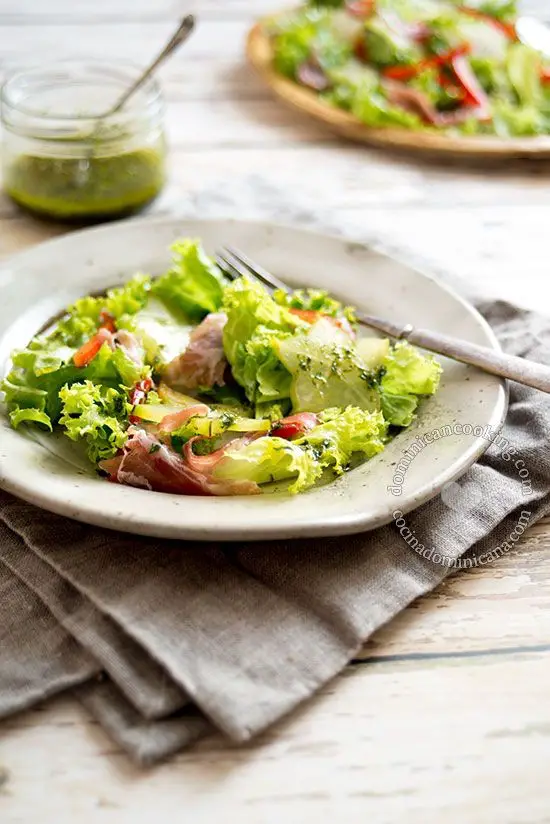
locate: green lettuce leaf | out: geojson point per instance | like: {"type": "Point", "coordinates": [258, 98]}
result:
{"type": "Point", "coordinates": [500, 9]}
{"type": "Point", "coordinates": [263, 370]}
{"type": "Point", "coordinates": [344, 433]}
{"type": "Point", "coordinates": [98, 415]}
{"type": "Point", "coordinates": [492, 75]}
{"type": "Point", "coordinates": [428, 82]}
{"type": "Point", "coordinates": [349, 81]}
{"type": "Point", "coordinates": [407, 375]}
{"type": "Point", "coordinates": [511, 120]}
{"type": "Point", "coordinates": [229, 398]}
{"type": "Point", "coordinates": [523, 65]}
{"type": "Point", "coordinates": [25, 389]}
{"type": "Point", "coordinates": [341, 434]}
{"type": "Point", "coordinates": [315, 300]}
{"type": "Point", "coordinates": [254, 323]}
{"type": "Point", "coordinates": [385, 47]}
{"type": "Point", "coordinates": [409, 372]}
{"type": "Point", "coordinates": [19, 416]}
{"type": "Point", "coordinates": [273, 411]}
{"type": "Point", "coordinates": [374, 109]}
{"type": "Point", "coordinates": [114, 368]}
{"type": "Point", "coordinates": [299, 35]}
{"type": "Point", "coordinates": [328, 4]}
{"type": "Point", "coordinates": [399, 410]}
{"type": "Point", "coordinates": [194, 286]}
{"type": "Point", "coordinates": [83, 317]}
{"type": "Point", "coordinates": [124, 302]}
{"type": "Point", "coordinates": [40, 371]}
{"type": "Point", "coordinates": [270, 459]}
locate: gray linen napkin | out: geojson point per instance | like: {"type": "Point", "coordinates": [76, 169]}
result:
{"type": "Point", "coordinates": [246, 631]}
{"type": "Point", "coordinates": [37, 656]}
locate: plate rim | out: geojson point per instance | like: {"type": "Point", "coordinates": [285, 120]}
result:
{"type": "Point", "coordinates": [259, 54]}
{"type": "Point", "coordinates": [337, 526]}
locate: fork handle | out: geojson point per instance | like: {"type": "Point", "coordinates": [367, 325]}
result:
{"type": "Point", "coordinates": [517, 369]}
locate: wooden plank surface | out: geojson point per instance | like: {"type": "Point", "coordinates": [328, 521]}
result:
{"type": "Point", "coordinates": [445, 716]}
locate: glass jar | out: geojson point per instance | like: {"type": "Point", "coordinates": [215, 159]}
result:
{"type": "Point", "coordinates": [62, 162]}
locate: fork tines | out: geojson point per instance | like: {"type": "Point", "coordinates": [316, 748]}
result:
{"type": "Point", "coordinates": [236, 264]}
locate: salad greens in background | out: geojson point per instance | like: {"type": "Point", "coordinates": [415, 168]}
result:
{"type": "Point", "coordinates": [195, 384]}
{"type": "Point", "coordinates": [418, 64]}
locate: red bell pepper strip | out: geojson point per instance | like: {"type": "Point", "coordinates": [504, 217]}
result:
{"type": "Point", "coordinates": [360, 49]}
{"type": "Point", "coordinates": [107, 320]}
{"type": "Point", "coordinates": [139, 393]}
{"type": "Point", "coordinates": [452, 86]}
{"type": "Point", "coordinates": [508, 29]}
{"type": "Point", "coordinates": [294, 426]}
{"type": "Point", "coordinates": [361, 8]}
{"type": "Point", "coordinates": [545, 74]}
{"type": "Point", "coordinates": [312, 316]}
{"type": "Point", "coordinates": [474, 93]}
{"type": "Point", "coordinates": [87, 352]}
{"type": "Point", "coordinates": [403, 72]}
{"type": "Point", "coordinates": [408, 72]}
{"type": "Point", "coordinates": [309, 315]}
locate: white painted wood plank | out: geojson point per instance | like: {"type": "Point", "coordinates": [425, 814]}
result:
{"type": "Point", "coordinates": [57, 12]}
{"type": "Point", "coordinates": [497, 252]}
{"type": "Point", "coordinates": [134, 42]}
{"type": "Point", "coordinates": [475, 748]}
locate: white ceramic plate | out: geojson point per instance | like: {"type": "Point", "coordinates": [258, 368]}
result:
{"type": "Point", "coordinates": [36, 285]}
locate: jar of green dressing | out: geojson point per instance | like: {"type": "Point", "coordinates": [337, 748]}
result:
{"type": "Point", "coordinates": [61, 161]}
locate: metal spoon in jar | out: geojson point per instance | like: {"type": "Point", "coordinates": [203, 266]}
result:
{"type": "Point", "coordinates": [179, 37]}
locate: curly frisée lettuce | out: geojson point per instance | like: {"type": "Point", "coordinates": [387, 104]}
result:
{"type": "Point", "coordinates": [330, 445]}
{"type": "Point", "coordinates": [97, 415]}
{"type": "Point", "coordinates": [297, 397]}
{"type": "Point", "coordinates": [343, 433]}
{"type": "Point", "coordinates": [84, 317]}
{"type": "Point", "coordinates": [40, 371]}
{"type": "Point", "coordinates": [314, 300]}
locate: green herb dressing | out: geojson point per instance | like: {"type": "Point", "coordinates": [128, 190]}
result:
{"type": "Point", "coordinates": [86, 189]}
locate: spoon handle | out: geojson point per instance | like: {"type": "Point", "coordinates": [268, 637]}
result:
{"type": "Point", "coordinates": [180, 36]}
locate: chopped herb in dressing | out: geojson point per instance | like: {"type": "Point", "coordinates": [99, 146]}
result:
{"type": "Point", "coordinates": [86, 189]}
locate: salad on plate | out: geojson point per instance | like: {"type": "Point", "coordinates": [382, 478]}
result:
{"type": "Point", "coordinates": [443, 65]}
{"type": "Point", "coordinates": [195, 384]}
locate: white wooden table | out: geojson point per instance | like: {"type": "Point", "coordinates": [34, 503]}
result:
{"type": "Point", "coordinates": [448, 718]}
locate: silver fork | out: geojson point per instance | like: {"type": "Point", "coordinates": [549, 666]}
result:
{"type": "Point", "coordinates": [236, 264]}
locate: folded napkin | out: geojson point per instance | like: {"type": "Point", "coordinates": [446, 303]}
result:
{"type": "Point", "coordinates": [164, 641]}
